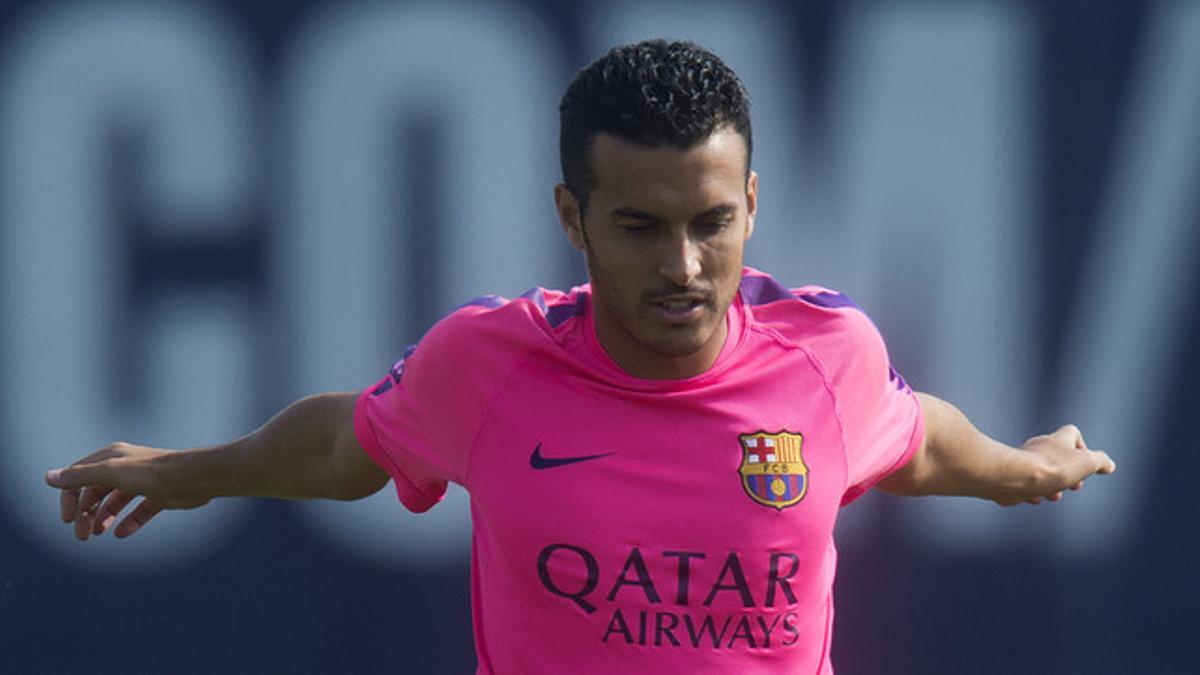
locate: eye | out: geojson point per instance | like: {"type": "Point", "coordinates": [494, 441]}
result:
{"type": "Point", "coordinates": [638, 228]}
{"type": "Point", "coordinates": [713, 226]}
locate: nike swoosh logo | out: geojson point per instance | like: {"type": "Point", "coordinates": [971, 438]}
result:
{"type": "Point", "coordinates": [538, 462]}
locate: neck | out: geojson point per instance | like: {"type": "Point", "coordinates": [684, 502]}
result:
{"type": "Point", "coordinates": [643, 361]}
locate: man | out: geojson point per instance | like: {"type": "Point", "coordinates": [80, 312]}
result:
{"type": "Point", "coordinates": [656, 460]}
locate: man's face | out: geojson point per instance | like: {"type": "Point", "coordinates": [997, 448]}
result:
{"type": "Point", "coordinates": [664, 234]}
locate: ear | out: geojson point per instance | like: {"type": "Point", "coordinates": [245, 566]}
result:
{"type": "Point", "coordinates": [569, 215]}
{"type": "Point", "coordinates": [751, 202]}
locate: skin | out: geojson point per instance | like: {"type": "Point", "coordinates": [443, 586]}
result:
{"type": "Point", "coordinates": [662, 225]}
{"type": "Point", "coordinates": [313, 437]}
{"type": "Point", "coordinates": [955, 458]}
{"type": "Point", "coordinates": [650, 234]}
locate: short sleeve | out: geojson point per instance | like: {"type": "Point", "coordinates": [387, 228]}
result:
{"type": "Point", "coordinates": [881, 416]}
{"type": "Point", "coordinates": [417, 422]}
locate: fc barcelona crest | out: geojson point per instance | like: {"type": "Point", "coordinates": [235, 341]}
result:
{"type": "Point", "coordinates": [773, 470]}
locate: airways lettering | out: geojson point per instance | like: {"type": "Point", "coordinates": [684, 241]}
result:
{"type": "Point", "coordinates": [662, 629]}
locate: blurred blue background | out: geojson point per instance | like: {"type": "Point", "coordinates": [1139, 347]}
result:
{"type": "Point", "coordinates": [209, 209]}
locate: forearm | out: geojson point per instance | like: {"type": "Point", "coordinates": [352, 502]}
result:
{"type": "Point", "coordinates": [958, 459]}
{"type": "Point", "coordinates": [308, 450]}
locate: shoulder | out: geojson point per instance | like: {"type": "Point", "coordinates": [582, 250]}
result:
{"type": "Point", "coordinates": [826, 323]}
{"type": "Point", "coordinates": [804, 314]}
{"type": "Point", "coordinates": [492, 325]}
{"type": "Point", "coordinates": [474, 346]}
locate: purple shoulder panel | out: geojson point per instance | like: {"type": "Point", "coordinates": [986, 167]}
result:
{"type": "Point", "coordinates": [537, 297]}
{"type": "Point", "coordinates": [395, 372]}
{"type": "Point", "coordinates": [829, 300]}
{"type": "Point", "coordinates": [382, 388]}
{"type": "Point", "coordinates": [558, 314]}
{"type": "Point", "coordinates": [555, 314]}
{"type": "Point", "coordinates": [758, 290]}
{"type": "Point", "coordinates": [488, 301]}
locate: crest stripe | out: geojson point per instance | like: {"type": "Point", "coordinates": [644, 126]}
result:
{"type": "Point", "coordinates": [773, 472]}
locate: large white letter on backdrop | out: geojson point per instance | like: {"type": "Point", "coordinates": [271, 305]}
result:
{"type": "Point", "coordinates": [930, 127]}
{"type": "Point", "coordinates": [489, 76]}
{"type": "Point", "coordinates": [172, 80]}
{"type": "Point", "coordinates": [1136, 291]}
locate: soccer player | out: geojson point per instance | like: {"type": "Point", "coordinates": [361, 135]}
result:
{"type": "Point", "coordinates": [655, 460]}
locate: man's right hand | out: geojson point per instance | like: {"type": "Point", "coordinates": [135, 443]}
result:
{"type": "Point", "coordinates": [307, 451]}
{"type": "Point", "coordinates": [97, 488]}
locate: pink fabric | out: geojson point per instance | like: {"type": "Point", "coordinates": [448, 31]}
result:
{"type": "Point", "coordinates": [652, 554]}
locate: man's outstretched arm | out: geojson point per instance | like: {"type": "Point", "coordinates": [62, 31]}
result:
{"type": "Point", "coordinates": [957, 459]}
{"type": "Point", "coordinates": [306, 451]}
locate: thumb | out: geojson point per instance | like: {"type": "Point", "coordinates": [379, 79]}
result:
{"type": "Point", "coordinates": [1107, 465]}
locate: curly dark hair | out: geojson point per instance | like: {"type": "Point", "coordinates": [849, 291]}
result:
{"type": "Point", "coordinates": [654, 93]}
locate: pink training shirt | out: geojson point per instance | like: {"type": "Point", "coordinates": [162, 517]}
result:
{"type": "Point", "coordinates": [624, 525]}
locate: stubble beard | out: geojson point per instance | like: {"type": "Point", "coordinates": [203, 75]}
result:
{"type": "Point", "coordinates": [671, 342]}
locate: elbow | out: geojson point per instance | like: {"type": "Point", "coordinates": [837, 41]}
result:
{"type": "Point", "coordinates": [349, 491]}
{"type": "Point", "coordinates": [906, 481]}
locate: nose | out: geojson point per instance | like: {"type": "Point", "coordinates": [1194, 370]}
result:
{"type": "Point", "coordinates": [681, 260]}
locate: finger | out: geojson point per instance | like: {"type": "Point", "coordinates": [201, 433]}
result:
{"type": "Point", "coordinates": [144, 511]}
{"type": "Point", "coordinates": [1077, 486]}
{"type": "Point", "coordinates": [1070, 435]}
{"type": "Point", "coordinates": [1104, 462]}
{"type": "Point", "coordinates": [68, 504]}
{"type": "Point", "coordinates": [107, 514]}
{"type": "Point", "coordinates": [78, 484]}
{"type": "Point", "coordinates": [1055, 497]}
{"type": "Point", "coordinates": [89, 503]}
{"type": "Point", "coordinates": [1035, 500]}
{"type": "Point", "coordinates": [68, 499]}
{"type": "Point", "coordinates": [69, 480]}
{"type": "Point", "coordinates": [79, 474]}
{"type": "Point", "coordinates": [90, 498]}
{"type": "Point", "coordinates": [83, 525]}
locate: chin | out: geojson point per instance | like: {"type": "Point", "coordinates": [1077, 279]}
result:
{"type": "Point", "coordinates": [679, 346]}
{"type": "Point", "coordinates": [675, 350]}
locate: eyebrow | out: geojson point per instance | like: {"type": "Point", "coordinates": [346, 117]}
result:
{"type": "Point", "coordinates": [625, 212]}
{"type": "Point", "coordinates": [722, 211]}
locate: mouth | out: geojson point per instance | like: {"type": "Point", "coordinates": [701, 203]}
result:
{"type": "Point", "coordinates": [679, 309]}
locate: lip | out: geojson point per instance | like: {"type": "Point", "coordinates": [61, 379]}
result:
{"type": "Point", "coordinates": [678, 317]}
